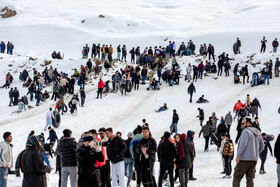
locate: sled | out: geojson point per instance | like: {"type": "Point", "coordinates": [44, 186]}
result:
{"type": "Point", "coordinates": [270, 137]}
{"type": "Point", "coordinates": [56, 120]}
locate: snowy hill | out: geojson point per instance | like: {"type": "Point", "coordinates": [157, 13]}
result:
{"type": "Point", "coordinates": [40, 27]}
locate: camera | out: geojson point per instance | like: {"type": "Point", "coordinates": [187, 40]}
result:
{"type": "Point", "coordinates": [97, 143]}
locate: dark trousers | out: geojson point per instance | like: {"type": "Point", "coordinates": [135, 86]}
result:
{"type": "Point", "coordinates": [176, 174]}
{"type": "Point", "coordinates": [59, 178]}
{"type": "Point", "coordinates": [263, 159]}
{"type": "Point", "coordinates": [228, 164]}
{"type": "Point", "coordinates": [201, 122]}
{"type": "Point", "coordinates": [220, 71]}
{"type": "Point", "coordinates": [136, 85]}
{"type": "Point", "coordinates": [71, 89]}
{"type": "Point", "coordinates": [191, 172]}
{"type": "Point", "coordinates": [99, 92]}
{"type": "Point", "coordinates": [88, 181]}
{"type": "Point", "coordinates": [105, 175]}
{"type": "Point", "coordinates": [242, 168]}
{"type": "Point", "coordinates": [238, 136]}
{"type": "Point", "coordinates": [191, 94]}
{"type": "Point", "coordinates": [206, 142]}
{"type": "Point", "coordinates": [163, 169]}
{"type": "Point", "coordinates": [184, 176]}
{"type": "Point", "coordinates": [83, 101]}
{"type": "Point", "coordinates": [148, 179]}
{"type": "Point", "coordinates": [194, 76]}
{"type": "Point", "coordinates": [123, 88]}
{"type": "Point", "coordinates": [263, 47]}
{"type": "Point", "coordinates": [210, 54]}
{"type": "Point", "coordinates": [244, 78]}
{"type": "Point", "coordinates": [54, 95]}
{"type": "Point", "coordinates": [138, 170]}
{"type": "Point", "coordinates": [228, 129]}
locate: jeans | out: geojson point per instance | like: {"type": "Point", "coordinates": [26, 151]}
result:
{"type": "Point", "coordinates": [220, 71]}
{"type": "Point", "coordinates": [143, 78]}
{"type": "Point", "coordinates": [48, 122]}
{"type": "Point", "coordinates": [228, 165]}
{"type": "Point", "coordinates": [201, 122]}
{"type": "Point", "coordinates": [46, 158]}
{"type": "Point", "coordinates": [3, 177]}
{"type": "Point", "coordinates": [21, 106]}
{"type": "Point", "coordinates": [128, 167]}
{"type": "Point", "coordinates": [103, 56]}
{"type": "Point", "coordinates": [159, 79]}
{"type": "Point", "coordinates": [183, 176]}
{"type": "Point", "coordinates": [266, 77]}
{"type": "Point", "coordinates": [119, 55]}
{"type": "Point", "coordinates": [263, 159]}
{"type": "Point", "coordinates": [161, 109]}
{"type": "Point", "coordinates": [118, 170]}
{"type": "Point", "coordinates": [40, 86]}
{"type": "Point", "coordinates": [254, 81]}
{"type": "Point", "coordinates": [200, 73]}
{"type": "Point", "coordinates": [170, 82]}
{"type": "Point", "coordinates": [173, 125]}
{"type": "Point", "coordinates": [70, 171]}
{"type": "Point", "coordinates": [274, 49]}
{"type": "Point", "coordinates": [153, 88]}
{"type": "Point", "coordinates": [31, 96]}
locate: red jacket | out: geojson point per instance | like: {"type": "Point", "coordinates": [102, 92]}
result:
{"type": "Point", "coordinates": [99, 164]}
{"type": "Point", "coordinates": [100, 84]}
{"type": "Point", "coordinates": [82, 69]}
{"type": "Point", "coordinates": [238, 106]}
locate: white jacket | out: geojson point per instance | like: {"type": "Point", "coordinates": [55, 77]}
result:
{"type": "Point", "coordinates": [6, 155]}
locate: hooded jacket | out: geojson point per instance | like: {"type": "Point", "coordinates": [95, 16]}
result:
{"type": "Point", "coordinates": [166, 153]}
{"type": "Point", "coordinates": [250, 144]}
{"type": "Point", "coordinates": [228, 118]}
{"type": "Point", "coordinates": [185, 162]}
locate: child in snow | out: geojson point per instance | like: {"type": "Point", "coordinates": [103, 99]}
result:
{"type": "Point", "coordinates": [228, 154]}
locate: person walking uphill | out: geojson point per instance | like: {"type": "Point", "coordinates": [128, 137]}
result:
{"type": "Point", "coordinates": [115, 151]}
{"type": "Point", "coordinates": [249, 147]}
{"type": "Point", "coordinates": [31, 163]}
{"type": "Point", "coordinates": [49, 117]}
{"type": "Point", "coordinates": [206, 130]}
{"type": "Point", "coordinates": [6, 158]}
{"type": "Point", "coordinates": [174, 123]}
{"type": "Point", "coordinates": [166, 155]}
{"type": "Point", "coordinates": [200, 116]}
{"type": "Point", "coordinates": [191, 90]}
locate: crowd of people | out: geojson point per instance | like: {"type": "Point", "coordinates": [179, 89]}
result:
{"type": "Point", "coordinates": [98, 152]}
{"type": "Point", "coordinates": [9, 47]}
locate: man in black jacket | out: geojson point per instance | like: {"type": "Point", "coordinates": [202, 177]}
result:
{"type": "Point", "coordinates": [52, 136]}
{"type": "Point", "coordinates": [166, 155]}
{"type": "Point", "coordinates": [255, 105]}
{"type": "Point", "coordinates": [210, 52]}
{"type": "Point", "coordinates": [115, 151]}
{"type": "Point", "coordinates": [87, 156]}
{"type": "Point", "coordinates": [71, 85]}
{"type": "Point", "coordinates": [31, 163]}
{"type": "Point", "coordinates": [147, 148]}
{"type": "Point", "coordinates": [263, 154]}
{"type": "Point", "coordinates": [275, 44]}
{"type": "Point", "coordinates": [67, 148]}
{"type": "Point", "coordinates": [174, 123]}
{"type": "Point", "coordinates": [83, 96]}
{"type": "Point", "coordinates": [191, 90]}
{"type": "Point", "coordinates": [277, 156]}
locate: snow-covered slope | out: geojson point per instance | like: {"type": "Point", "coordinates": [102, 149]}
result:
{"type": "Point", "coordinates": [41, 27]}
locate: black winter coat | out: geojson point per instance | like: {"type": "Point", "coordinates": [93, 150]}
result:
{"type": "Point", "coordinates": [151, 144]}
{"type": "Point", "coordinates": [220, 63]}
{"type": "Point", "coordinates": [222, 128]}
{"type": "Point", "coordinates": [191, 88]}
{"type": "Point", "coordinates": [34, 169]}
{"type": "Point", "coordinates": [256, 103]}
{"type": "Point", "coordinates": [166, 153]}
{"type": "Point", "coordinates": [67, 148]}
{"type": "Point", "coordinates": [87, 158]}
{"type": "Point", "coordinates": [277, 149]}
{"type": "Point", "coordinates": [187, 160]}
{"type": "Point", "coordinates": [175, 118]}
{"type": "Point", "coordinates": [52, 136]}
{"type": "Point", "coordinates": [116, 149]}
{"type": "Point", "coordinates": [201, 114]}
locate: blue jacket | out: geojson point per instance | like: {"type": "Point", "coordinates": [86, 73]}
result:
{"type": "Point", "coordinates": [115, 79]}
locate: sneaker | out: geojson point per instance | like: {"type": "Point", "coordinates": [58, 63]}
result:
{"type": "Point", "coordinates": [192, 179]}
{"type": "Point", "coordinates": [261, 172]}
{"type": "Point", "coordinates": [223, 172]}
{"type": "Point", "coordinates": [226, 177]}
{"type": "Point", "coordinates": [128, 184]}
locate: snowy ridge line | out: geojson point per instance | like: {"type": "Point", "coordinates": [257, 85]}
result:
{"type": "Point", "coordinates": [41, 110]}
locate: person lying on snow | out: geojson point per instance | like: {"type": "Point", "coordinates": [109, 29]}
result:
{"type": "Point", "coordinates": [202, 100]}
{"type": "Point", "coordinates": [162, 108]}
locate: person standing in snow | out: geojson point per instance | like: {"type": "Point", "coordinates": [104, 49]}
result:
{"type": "Point", "coordinates": [255, 105]}
{"type": "Point", "coordinates": [124, 53]}
{"type": "Point", "coordinates": [188, 73]}
{"type": "Point", "coordinates": [249, 147]}
{"type": "Point", "coordinates": [11, 96]}
{"type": "Point", "coordinates": [263, 46]}
{"type": "Point", "coordinates": [263, 154]}
{"type": "Point", "coordinates": [191, 90]}
{"type": "Point", "coordinates": [276, 67]}
{"type": "Point", "coordinates": [275, 44]}
{"type": "Point", "coordinates": [238, 42]}
{"type": "Point", "coordinates": [49, 118]}
{"type": "Point", "coordinates": [210, 52]}
{"type": "Point", "coordinates": [100, 88]}
{"type": "Point", "coordinates": [228, 121]}
{"type": "Point", "coordinates": [220, 66]}
{"type": "Point", "coordinates": [200, 70]}
{"type": "Point", "coordinates": [6, 158]}
{"type": "Point", "coordinates": [265, 72]}
{"type": "Point", "coordinates": [201, 116]}
{"type": "Point", "coordinates": [83, 96]}
{"type": "Point", "coordinates": [190, 138]}
{"type": "Point", "coordinates": [174, 123]}
{"type": "Point", "coordinates": [228, 154]}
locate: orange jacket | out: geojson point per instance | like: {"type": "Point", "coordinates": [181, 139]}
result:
{"type": "Point", "coordinates": [111, 49]}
